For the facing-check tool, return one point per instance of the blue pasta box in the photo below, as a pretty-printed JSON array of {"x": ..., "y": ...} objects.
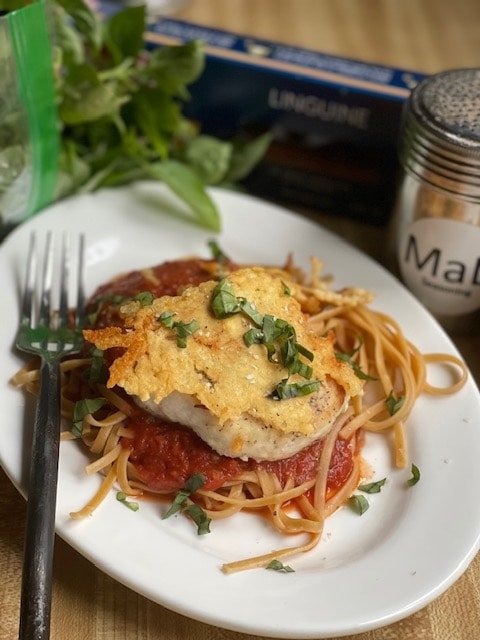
[{"x": 334, "y": 121}]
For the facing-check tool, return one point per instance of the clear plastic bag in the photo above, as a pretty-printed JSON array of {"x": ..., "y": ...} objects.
[{"x": 29, "y": 132}]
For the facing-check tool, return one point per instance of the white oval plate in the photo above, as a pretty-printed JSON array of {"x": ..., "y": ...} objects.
[{"x": 368, "y": 571}]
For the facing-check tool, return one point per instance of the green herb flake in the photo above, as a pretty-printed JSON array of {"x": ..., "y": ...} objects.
[
  {"x": 286, "y": 289},
  {"x": 359, "y": 504},
  {"x": 250, "y": 311},
  {"x": 347, "y": 357},
  {"x": 393, "y": 403},
  {"x": 217, "y": 253},
  {"x": 285, "y": 390},
  {"x": 166, "y": 318},
  {"x": 253, "y": 336},
  {"x": 145, "y": 298},
  {"x": 114, "y": 299},
  {"x": 224, "y": 302},
  {"x": 122, "y": 497},
  {"x": 415, "y": 476},
  {"x": 276, "y": 565},
  {"x": 97, "y": 371},
  {"x": 199, "y": 517},
  {"x": 277, "y": 335},
  {"x": 184, "y": 330},
  {"x": 81, "y": 410},
  {"x": 194, "y": 511},
  {"x": 372, "y": 487}
]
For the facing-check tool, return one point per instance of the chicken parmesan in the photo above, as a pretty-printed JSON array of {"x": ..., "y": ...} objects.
[{"x": 226, "y": 387}]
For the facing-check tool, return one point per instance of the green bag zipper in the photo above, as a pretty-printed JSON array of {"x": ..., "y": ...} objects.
[{"x": 30, "y": 39}]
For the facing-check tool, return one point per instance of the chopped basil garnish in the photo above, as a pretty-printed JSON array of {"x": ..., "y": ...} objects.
[
  {"x": 122, "y": 497},
  {"x": 144, "y": 297},
  {"x": 200, "y": 518},
  {"x": 82, "y": 409},
  {"x": 115, "y": 298},
  {"x": 182, "y": 329},
  {"x": 276, "y": 565},
  {"x": 224, "y": 301},
  {"x": 253, "y": 336},
  {"x": 394, "y": 404},
  {"x": 372, "y": 487},
  {"x": 277, "y": 335},
  {"x": 415, "y": 476},
  {"x": 359, "y": 504},
  {"x": 185, "y": 329},
  {"x": 97, "y": 371},
  {"x": 166, "y": 318},
  {"x": 286, "y": 289},
  {"x": 195, "y": 511},
  {"x": 285, "y": 390},
  {"x": 217, "y": 253},
  {"x": 348, "y": 358},
  {"x": 250, "y": 311}
]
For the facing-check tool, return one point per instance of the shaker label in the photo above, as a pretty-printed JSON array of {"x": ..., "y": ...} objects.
[{"x": 440, "y": 263}]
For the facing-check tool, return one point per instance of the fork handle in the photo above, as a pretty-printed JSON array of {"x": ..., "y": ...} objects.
[{"x": 36, "y": 594}]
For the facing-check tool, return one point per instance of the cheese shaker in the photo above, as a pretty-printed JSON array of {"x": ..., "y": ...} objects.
[{"x": 437, "y": 213}]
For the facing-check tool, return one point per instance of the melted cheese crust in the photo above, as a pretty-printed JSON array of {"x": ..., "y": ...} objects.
[{"x": 216, "y": 367}]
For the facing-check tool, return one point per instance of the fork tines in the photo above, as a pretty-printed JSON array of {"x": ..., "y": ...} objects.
[{"x": 61, "y": 286}]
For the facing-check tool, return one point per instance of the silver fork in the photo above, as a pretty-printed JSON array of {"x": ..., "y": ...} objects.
[{"x": 50, "y": 334}]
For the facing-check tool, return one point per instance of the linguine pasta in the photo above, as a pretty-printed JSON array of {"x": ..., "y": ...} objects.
[{"x": 394, "y": 372}]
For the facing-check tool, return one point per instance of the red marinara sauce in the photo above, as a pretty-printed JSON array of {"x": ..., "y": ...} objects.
[{"x": 165, "y": 455}]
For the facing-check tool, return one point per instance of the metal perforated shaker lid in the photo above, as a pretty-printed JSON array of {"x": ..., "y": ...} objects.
[{"x": 441, "y": 132}]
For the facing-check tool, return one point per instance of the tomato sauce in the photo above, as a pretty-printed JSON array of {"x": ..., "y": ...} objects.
[
  {"x": 167, "y": 279},
  {"x": 165, "y": 455}
]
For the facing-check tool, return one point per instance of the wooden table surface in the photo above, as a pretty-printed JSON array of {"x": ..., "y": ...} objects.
[{"x": 423, "y": 35}]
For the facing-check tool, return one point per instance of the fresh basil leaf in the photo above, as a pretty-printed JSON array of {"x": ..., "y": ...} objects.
[
  {"x": 394, "y": 404},
  {"x": 188, "y": 186},
  {"x": 245, "y": 156},
  {"x": 209, "y": 157},
  {"x": 84, "y": 20},
  {"x": 173, "y": 68},
  {"x": 122, "y": 497},
  {"x": 415, "y": 476},
  {"x": 359, "y": 504},
  {"x": 372, "y": 487},
  {"x": 124, "y": 32},
  {"x": 276, "y": 565},
  {"x": 157, "y": 116},
  {"x": 83, "y": 408},
  {"x": 86, "y": 99}
]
